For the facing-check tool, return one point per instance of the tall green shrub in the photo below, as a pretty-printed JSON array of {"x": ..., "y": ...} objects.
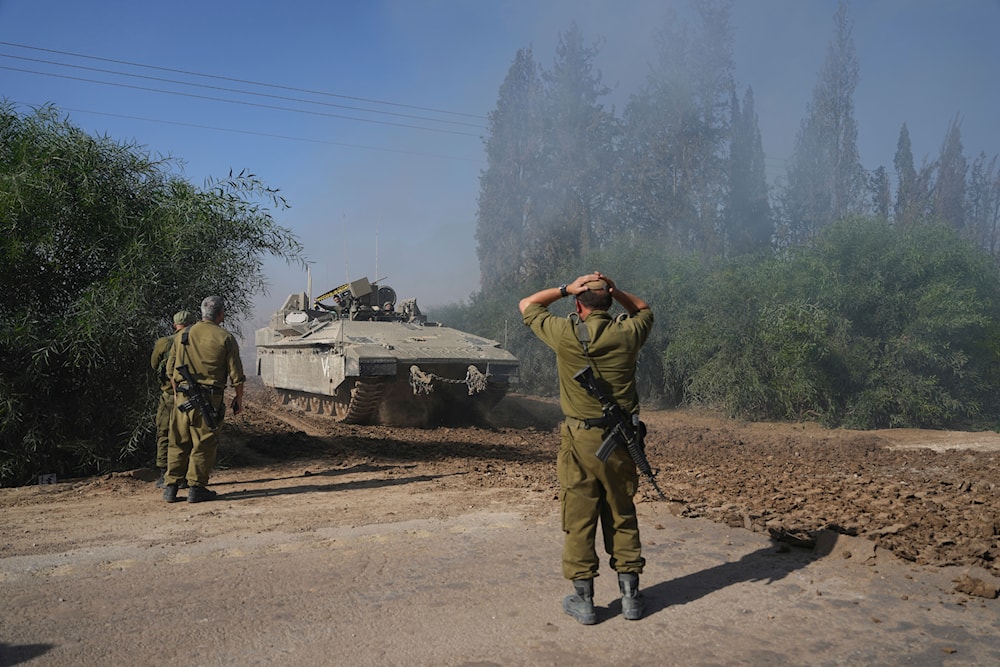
[
  {"x": 99, "y": 245},
  {"x": 924, "y": 312},
  {"x": 871, "y": 326}
]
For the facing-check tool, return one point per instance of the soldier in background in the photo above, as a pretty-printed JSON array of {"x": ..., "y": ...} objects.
[
  {"x": 161, "y": 352},
  {"x": 212, "y": 356}
]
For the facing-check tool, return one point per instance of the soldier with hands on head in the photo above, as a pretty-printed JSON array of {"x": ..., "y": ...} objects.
[
  {"x": 592, "y": 491},
  {"x": 211, "y": 356},
  {"x": 164, "y": 409}
]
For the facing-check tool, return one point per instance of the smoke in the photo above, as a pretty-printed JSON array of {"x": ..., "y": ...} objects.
[{"x": 370, "y": 193}]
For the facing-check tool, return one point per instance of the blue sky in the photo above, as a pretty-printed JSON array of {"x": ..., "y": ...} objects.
[{"x": 393, "y": 194}]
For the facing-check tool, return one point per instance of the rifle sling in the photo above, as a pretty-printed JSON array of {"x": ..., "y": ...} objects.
[{"x": 211, "y": 389}]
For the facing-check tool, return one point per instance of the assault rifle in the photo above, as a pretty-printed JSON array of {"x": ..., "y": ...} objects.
[
  {"x": 622, "y": 428},
  {"x": 197, "y": 400}
]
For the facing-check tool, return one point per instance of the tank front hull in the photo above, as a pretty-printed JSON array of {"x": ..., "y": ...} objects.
[{"x": 388, "y": 372}]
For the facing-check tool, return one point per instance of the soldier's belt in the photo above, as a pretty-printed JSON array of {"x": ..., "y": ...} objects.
[
  {"x": 209, "y": 389},
  {"x": 591, "y": 422}
]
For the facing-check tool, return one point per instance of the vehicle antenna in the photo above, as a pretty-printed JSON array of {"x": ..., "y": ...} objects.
[{"x": 347, "y": 254}]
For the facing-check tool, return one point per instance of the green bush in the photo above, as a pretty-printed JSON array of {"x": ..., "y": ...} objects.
[
  {"x": 99, "y": 245},
  {"x": 869, "y": 327}
]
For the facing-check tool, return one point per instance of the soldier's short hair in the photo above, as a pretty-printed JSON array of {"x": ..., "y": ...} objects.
[
  {"x": 597, "y": 296},
  {"x": 211, "y": 307}
]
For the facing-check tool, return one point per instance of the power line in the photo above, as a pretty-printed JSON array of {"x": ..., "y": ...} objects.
[
  {"x": 243, "y": 102},
  {"x": 230, "y": 90},
  {"x": 266, "y": 134},
  {"x": 235, "y": 80}
]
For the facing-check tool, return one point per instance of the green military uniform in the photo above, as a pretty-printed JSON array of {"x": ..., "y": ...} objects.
[
  {"x": 161, "y": 353},
  {"x": 589, "y": 489},
  {"x": 212, "y": 356}
]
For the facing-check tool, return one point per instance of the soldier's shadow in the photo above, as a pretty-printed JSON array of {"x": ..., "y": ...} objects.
[
  {"x": 765, "y": 564},
  {"x": 246, "y": 494}
]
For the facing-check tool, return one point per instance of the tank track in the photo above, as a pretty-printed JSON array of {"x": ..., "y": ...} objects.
[
  {"x": 360, "y": 408},
  {"x": 360, "y": 401},
  {"x": 365, "y": 398}
]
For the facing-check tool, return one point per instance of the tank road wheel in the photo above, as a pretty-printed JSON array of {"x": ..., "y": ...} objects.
[
  {"x": 293, "y": 400},
  {"x": 342, "y": 404},
  {"x": 304, "y": 402}
]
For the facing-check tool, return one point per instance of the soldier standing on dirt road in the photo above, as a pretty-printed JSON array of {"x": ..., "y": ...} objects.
[
  {"x": 212, "y": 356},
  {"x": 158, "y": 360},
  {"x": 589, "y": 489}
]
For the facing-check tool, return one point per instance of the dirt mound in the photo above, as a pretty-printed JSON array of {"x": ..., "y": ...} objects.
[
  {"x": 904, "y": 490},
  {"x": 335, "y": 544},
  {"x": 926, "y": 496},
  {"x": 924, "y": 505}
]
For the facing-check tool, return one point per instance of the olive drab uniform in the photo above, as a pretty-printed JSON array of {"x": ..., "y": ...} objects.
[
  {"x": 158, "y": 360},
  {"x": 589, "y": 489},
  {"x": 212, "y": 356}
]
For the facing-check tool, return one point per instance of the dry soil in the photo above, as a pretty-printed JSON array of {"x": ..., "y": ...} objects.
[{"x": 333, "y": 544}]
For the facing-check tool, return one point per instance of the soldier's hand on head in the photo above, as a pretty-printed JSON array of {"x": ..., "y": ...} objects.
[
  {"x": 601, "y": 276},
  {"x": 579, "y": 285}
]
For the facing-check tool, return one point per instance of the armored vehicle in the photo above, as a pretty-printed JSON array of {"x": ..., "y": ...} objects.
[{"x": 357, "y": 355}]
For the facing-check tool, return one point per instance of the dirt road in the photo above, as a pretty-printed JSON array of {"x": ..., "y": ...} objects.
[{"x": 338, "y": 545}]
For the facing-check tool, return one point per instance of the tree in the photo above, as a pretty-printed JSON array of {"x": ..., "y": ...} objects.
[
  {"x": 949, "y": 188},
  {"x": 904, "y": 210},
  {"x": 913, "y": 196},
  {"x": 983, "y": 203},
  {"x": 825, "y": 177},
  {"x": 99, "y": 245},
  {"x": 749, "y": 226},
  {"x": 578, "y": 152},
  {"x": 677, "y": 130},
  {"x": 878, "y": 185},
  {"x": 508, "y": 186},
  {"x": 923, "y": 307}
]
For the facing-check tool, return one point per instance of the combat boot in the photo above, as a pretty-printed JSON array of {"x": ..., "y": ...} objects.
[
  {"x": 161, "y": 483},
  {"x": 632, "y": 603},
  {"x": 580, "y": 605},
  {"x": 199, "y": 494},
  {"x": 170, "y": 493}
]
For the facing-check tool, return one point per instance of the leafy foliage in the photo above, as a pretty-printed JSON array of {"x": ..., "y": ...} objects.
[
  {"x": 748, "y": 220},
  {"x": 545, "y": 194},
  {"x": 507, "y": 194},
  {"x": 825, "y": 176},
  {"x": 99, "y": 245},
  {"x": 871, "y": 327},
  {"x": 780, "y": 309},
  {"x": 673, "y": 181}
]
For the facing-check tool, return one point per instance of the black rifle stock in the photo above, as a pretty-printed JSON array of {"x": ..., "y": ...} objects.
[
  {"x": 622, "y": 428},
  {"x": 197, "y": 400}
]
